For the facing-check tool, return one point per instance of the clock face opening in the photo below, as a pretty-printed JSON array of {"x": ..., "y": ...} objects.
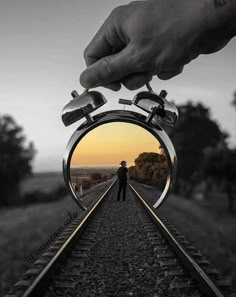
[{"x": 97, "y": 157}]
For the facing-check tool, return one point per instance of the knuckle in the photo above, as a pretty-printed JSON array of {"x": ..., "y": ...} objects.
[
  {"x": 139, "y": 59},
  {"x": 106, "y": 65},
  {"x": 142, "y": 62},
  {"x": 117, "y": 11},
  {"x": 135, "y": 61}
]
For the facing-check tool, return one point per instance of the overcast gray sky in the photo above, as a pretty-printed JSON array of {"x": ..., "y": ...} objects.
[{"x": 41, "y": 58}]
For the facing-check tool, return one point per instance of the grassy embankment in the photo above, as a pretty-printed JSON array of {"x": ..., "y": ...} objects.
[
  {"x": 207, "y": 224},
  {"x": 24, "y": 229}
]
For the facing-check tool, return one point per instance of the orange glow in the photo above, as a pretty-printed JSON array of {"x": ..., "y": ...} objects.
[{"x": 110, "y": 143}]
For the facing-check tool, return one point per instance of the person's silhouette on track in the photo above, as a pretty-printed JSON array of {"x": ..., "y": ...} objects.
[{"x": 122, "y": 177}]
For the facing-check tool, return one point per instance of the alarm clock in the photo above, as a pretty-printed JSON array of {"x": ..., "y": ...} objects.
[{"x": 102, "y": 140}]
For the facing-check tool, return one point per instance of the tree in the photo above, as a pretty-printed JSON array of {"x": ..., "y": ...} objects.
[
  {"x": 150, "y": 168},
  {"x": 194, "y": 132},
  {"x": 220, "y": 164},
  {"x": 15, "y": 159},
  {"x": 234, "y": 99}
]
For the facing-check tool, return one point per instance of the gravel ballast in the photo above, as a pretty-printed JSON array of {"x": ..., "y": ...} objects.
[{"x": 122, "y": 254}]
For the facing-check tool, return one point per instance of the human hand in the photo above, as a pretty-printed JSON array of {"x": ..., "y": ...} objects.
[{"x": 147, "y": 38}]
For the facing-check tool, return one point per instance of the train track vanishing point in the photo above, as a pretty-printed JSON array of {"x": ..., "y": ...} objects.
[{"x": 121, "y": 249}]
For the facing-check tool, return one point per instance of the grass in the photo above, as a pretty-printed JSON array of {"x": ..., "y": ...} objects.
[
  {"x": 207, "y": 225},
  {"x": 213, "y": 235},
  {"x": 45, "y": 182},
  {"x": 23, "y": 230}
]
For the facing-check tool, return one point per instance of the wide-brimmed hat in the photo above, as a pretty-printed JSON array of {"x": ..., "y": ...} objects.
[{"x": 123, "y": 162}]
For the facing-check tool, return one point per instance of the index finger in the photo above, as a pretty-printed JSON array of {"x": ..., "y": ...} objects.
[
  {"x": 97, "y": 48},
  {"x": 100, "y": 47},
  {"x": 105, "y": 42}
]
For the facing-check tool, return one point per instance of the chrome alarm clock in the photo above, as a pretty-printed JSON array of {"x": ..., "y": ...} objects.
[{"x": 103, "y": 140}]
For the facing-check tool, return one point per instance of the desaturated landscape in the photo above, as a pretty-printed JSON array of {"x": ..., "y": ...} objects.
[
  {"x": 45, "y": 182},
  {"x": 23, "y": 230},
  {"x": 206, "y": 223},
  {"x": 71, "y": 86},
  {"x": 88, "y": 177},
  {"x": 202, "y": 207}
]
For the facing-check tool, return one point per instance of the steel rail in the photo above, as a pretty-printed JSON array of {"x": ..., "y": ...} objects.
[
  {"x": 35, "y": 289},
  {"x": 206, "y": 285}
]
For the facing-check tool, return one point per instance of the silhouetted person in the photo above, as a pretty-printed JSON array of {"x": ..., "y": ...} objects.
[{"x": 122, "y": 177}]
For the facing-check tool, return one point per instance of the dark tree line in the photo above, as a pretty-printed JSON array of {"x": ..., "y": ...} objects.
[
  {"x": 194, "y": 132},
  {"x": 15, "y": 159},
  {"x": 234, "y": 100},
  {"x": 203, "y": 152},
  {"x": 201, "y": 146}
]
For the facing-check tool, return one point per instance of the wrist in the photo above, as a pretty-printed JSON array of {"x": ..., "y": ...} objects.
[{"x": 221, "y": 17}]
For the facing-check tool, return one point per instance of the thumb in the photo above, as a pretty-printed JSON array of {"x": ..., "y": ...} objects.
[{"x": 108, "y": 69}]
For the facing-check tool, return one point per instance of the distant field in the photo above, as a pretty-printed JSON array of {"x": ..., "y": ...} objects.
[
  {"x": 45, "y": 182},
  {"x": 84, "y": 178},
  {"x": 102, "y": 170},
  {"x": 87, "y": 172},
  {"x": 24, "y": 229}
]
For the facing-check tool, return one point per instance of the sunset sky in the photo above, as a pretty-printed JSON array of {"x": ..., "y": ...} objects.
[
  {"x": 41, "y": 58},
  {"x": 111, "y": 143}
]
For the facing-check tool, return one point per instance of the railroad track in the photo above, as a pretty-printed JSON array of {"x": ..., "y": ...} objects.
[{"x": 121, "y": 249}]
